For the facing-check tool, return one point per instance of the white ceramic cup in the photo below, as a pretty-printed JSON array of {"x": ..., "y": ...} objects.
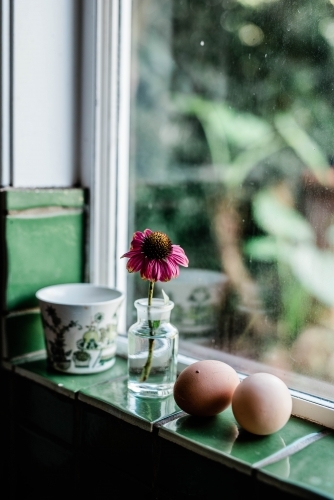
[{"x": 80, "y": 326}]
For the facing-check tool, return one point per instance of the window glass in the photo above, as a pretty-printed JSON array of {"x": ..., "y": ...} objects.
[{"x": 232, "y": 156}]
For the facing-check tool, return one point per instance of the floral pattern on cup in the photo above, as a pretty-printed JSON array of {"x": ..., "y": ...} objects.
[
  {"x": 98, "y": 337},
  {"x": 58, "y": 353},
  {"x": 96, "y": 346}
]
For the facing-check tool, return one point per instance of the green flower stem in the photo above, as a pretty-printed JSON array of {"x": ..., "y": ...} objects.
[{"x": 147, "y": 367}]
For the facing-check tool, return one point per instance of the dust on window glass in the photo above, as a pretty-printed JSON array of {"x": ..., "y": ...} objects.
[{"x": 232, "y": 156}]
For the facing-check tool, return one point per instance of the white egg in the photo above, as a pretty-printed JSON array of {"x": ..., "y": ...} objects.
[{"x": 262, "y": 403}]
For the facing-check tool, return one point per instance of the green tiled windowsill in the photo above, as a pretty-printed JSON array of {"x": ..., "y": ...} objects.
[
  {"x": 109, "y": 417},
  {"x": 113, "y": 397},
  {"x": 68, "y": 384},
  {"x": 221, "y": 439}
]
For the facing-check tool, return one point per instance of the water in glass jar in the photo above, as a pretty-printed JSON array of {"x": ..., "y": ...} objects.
[{"x": 160, "y": 371}]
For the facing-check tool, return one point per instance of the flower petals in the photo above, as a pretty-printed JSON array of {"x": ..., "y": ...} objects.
[
  {"x": 179, "y": 256},
  {"x": 135, "y": 263},
  {"x": 173, "y": 266},
  {"x": 147, "y": 232},
  {"x": 154, "y": 269}
]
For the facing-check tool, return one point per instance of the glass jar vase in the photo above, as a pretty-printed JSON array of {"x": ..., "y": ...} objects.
[{"x": 152, "y": 350}]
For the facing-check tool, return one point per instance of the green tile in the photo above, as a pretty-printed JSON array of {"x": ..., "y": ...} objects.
[
  {"x": 6, "y": 365},
  {"x": 67, "y": 383},
  {"x": 266, "y": 491},
  {"x": 109, "y": 446},
  {"x": 6, "y": 377},
  {"x": 43, "y": 409},
  {"x": 41, "y": 467},
  {"x": 197, "y": 477},
  {"x": 24, "y": 334},
  {"x": 42, "y": 251},
  {"x": 221, "y": 438},
  {"x": 5, "y": 453},
  {"x": 116, "y": 399},
  {"x": 22, "y": 199},
  {"x": 108, "y": 481},
  {"x": 311, "y": 468},
  {"x": 251, "y": 448}
]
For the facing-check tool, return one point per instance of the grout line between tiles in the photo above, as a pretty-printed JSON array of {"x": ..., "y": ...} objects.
[
  {"x": 170, "y": 418},
  {"x": 292, "y": 448}
]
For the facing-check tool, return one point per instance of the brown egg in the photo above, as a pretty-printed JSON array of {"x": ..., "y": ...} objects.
[
  {"x": 262, "y": 404},
  {"x": 205, "y": 388}
]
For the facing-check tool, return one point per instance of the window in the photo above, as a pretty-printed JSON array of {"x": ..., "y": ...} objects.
[{"x": 231, "y": 155}]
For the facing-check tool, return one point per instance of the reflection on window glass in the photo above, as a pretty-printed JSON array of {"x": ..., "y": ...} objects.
[{"x": 232, "y": 156}]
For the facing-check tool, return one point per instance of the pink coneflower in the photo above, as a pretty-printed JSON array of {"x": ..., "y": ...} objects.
[{"x": 153, "y": 254}]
